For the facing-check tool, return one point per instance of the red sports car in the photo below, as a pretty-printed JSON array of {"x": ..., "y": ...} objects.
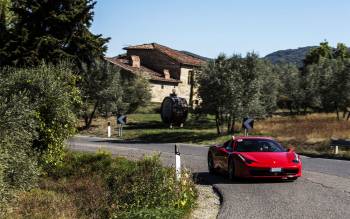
[{"x": 254, "y": 157}]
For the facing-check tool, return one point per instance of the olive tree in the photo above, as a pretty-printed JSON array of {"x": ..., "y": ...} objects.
[
  {"x": 52, "y": 95},
  {"x": 18, "y": 162},
  {"x": 327, "y": 85},
  {"x": 236, "y": 87},
  {"x": 291, "y": 94}
]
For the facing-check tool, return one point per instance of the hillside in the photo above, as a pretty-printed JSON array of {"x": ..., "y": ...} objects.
[{"x": 295, "y": 56}]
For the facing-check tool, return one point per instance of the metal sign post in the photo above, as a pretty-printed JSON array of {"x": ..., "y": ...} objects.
[
  {"x": 120, "y": 130},
  {"x": 247, "y": 124},
  {"x": 177, "y": 163}
]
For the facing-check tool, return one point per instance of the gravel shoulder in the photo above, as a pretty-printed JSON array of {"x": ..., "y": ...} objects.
[{"x": 208, "y": 203}]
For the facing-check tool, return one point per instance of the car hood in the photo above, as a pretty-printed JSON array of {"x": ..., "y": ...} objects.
[{"x": 269, "y": 158}]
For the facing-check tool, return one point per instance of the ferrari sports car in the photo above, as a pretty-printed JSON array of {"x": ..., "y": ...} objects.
[{"x": 254, "y": 157}]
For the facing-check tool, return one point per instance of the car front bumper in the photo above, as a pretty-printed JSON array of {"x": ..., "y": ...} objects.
[{"x": 286, "y": 172}]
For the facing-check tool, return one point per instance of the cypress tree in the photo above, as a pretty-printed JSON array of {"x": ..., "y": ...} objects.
[{"x": 52, "y": 30}]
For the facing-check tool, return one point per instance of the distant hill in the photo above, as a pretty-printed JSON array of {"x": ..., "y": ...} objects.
[{"x": 294, "y": 56}]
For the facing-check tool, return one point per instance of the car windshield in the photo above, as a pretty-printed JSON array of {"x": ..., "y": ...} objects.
[{"x": 259, "y": 145}]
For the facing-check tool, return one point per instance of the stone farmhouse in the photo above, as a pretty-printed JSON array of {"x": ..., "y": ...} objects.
[{"x": 165, "y": 68}]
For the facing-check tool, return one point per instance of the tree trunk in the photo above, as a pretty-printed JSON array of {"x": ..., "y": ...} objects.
[
  {"x": 222, "y": 123},
  {"x": 229, "y": 120},
  {"x": 217, "y": 123},
  {"x": 344, "y": 113},
  {"x": 88, "y": 119},
  {"x": 305, "y": 110},
  {"x": 191, "y": 77},
  {"x": 290, "y": 110},
  {"x": 233, "y": 126},
  {"x": 337, "y": 113}
]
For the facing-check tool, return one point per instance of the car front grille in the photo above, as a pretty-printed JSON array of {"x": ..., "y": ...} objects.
[{"x": 267, "y": 172}]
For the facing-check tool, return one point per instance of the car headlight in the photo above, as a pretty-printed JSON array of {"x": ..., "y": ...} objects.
[
  {"x": 245, "y": 160},
  {"x": 296, "y": 158}
]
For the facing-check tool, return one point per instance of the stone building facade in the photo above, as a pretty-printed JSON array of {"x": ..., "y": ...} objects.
[{"x": 165, "y": 68}]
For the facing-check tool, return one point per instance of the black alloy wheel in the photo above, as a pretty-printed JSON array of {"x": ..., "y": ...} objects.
[
  {"x": 231, "y": 170},
  {"x": 210, "y": 163}
]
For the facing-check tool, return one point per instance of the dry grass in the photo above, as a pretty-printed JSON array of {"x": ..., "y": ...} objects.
[
  {"x": 309, "y": 129},
  {"x": 41, "y": 204},
  {"x": 98, "y": 127}
]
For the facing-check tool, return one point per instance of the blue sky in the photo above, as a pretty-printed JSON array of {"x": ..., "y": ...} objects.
[{"x": 209, "y": 27}]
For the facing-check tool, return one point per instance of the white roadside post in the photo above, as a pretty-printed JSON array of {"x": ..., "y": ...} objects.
[
  {"x": 177, "y": 163},
  {"x": 109, "y": 130},
  {"x": 336, "y": 149}
]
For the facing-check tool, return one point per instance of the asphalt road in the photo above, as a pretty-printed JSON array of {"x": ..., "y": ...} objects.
[{"x": 322, "y": 192}]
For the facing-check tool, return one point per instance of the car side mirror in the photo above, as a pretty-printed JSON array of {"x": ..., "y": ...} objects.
[
  {"x": 229, "y": 149},
  {"x": 223, "y": 149}
]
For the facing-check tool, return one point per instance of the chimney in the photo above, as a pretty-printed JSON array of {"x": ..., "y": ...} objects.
[
  {"x": 166, "y": 74},
  {"x": 135, "y": 61}
]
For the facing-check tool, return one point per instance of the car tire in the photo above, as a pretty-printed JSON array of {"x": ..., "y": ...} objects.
[
  {"x": 231, "y": 170},
  {"x": 211, "y": 163}
]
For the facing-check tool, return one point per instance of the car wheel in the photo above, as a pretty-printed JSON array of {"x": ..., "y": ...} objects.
[
  {"x": 211, "y": 163},
  {"x": 231, "y": 170}
]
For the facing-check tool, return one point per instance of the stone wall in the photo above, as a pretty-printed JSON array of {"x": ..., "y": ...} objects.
[{"x": 160, "y": 90}]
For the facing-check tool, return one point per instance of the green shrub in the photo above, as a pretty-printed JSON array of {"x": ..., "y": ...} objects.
[
  {"x": 36, "y": 117},
  {"x": 3, "y": 192},
  {"x": 18, "y": 171},
  {"x": 145, "y": 187},
  {"x": 18, "y": 166},
  {"x": 156, "y": 213},
  {"x": 51, "y": 97},
  {"x": 106, "y": 187},
  {"x": 81, "y": 164}
]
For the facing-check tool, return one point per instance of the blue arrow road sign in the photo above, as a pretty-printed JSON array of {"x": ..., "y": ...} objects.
[
  {"x": 248, "y": 123},
  {"x": 121, "y": 119}
]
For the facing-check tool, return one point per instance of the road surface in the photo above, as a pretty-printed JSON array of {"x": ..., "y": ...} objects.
[{"x": 322, "y": 192}]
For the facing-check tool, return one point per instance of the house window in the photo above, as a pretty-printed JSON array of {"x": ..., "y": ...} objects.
[
  {"x": 162, "y": 86},
  {"x": 190, "y": 78}
]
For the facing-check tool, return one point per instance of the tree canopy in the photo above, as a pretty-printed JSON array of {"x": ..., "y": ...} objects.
[
  {"x": 236, "y": 87},
  {"x": 51, "y": 31}
]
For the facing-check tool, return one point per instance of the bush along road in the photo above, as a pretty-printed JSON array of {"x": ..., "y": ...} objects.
[
  {"x": 322, "y": 192},
  {"x": 96, "y": 185}
]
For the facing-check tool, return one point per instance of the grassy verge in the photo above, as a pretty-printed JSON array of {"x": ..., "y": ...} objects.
[
  {"x": 99, "y": 186},
  {"x": 308, "y": 134}
]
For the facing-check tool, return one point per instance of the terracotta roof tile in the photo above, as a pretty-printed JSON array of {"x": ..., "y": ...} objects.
[
  {"x": 172, "y": 53},
  {"x": 125, "y": 64}
]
